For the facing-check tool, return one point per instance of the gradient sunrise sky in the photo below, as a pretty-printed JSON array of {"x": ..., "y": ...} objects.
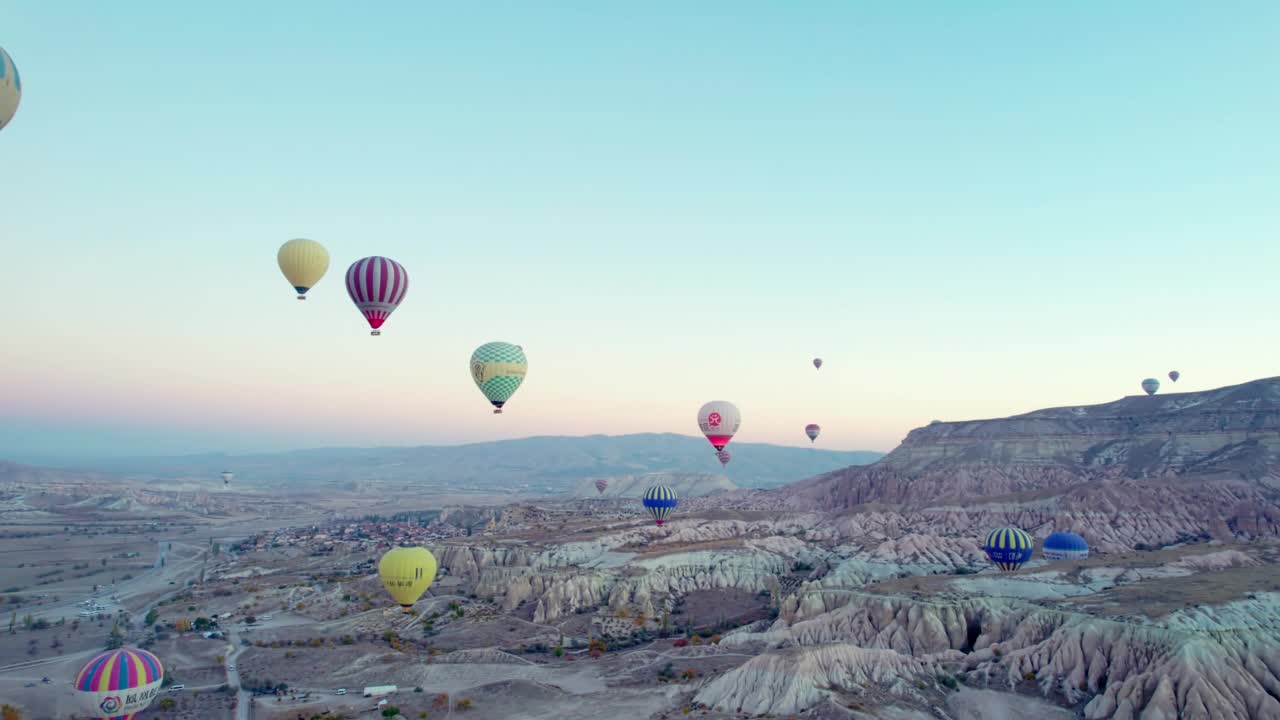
[{"x": 967, "y": 209}]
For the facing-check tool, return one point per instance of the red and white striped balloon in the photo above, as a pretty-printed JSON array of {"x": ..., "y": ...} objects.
[{"x": 376, "y": 285}]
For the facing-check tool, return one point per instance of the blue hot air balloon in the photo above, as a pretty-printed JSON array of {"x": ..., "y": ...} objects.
[
  {"x": 660, "y": 500},
  {"x": 1150, "y": 386},
  {"x": 1009, "y": 548},
  {"x": 1064, "y": 546}
]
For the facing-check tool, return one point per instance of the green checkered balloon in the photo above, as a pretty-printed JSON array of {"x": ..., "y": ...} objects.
[{"x": 498, "y": 369}]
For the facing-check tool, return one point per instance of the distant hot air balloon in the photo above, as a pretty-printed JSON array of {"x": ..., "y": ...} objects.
[
  {"x": 817, "y": 363},
  {"x": 406, "y": 573},
  {"x": 1174, "y": 375},
  {"x": 10, "y": 88},
  {"x": 1151, "y": 385},
  {"x": 1009, "y": 548},
  {"x": 498, "y": 369},
  {"x": 602, "y": 485},
  {"x": 719, "y": 421},
  {"x": 227, "y": 475},
  {"x": 118, "y": 684},
  {"x": 1064, "y": 546},
  {"x": 303, "y": 263},
  {"x": 723, "y": 456},
  {"x": 812, "y": 431},
  {"x": 660, "y": 500},
  {"x": 377, "y": 286}
]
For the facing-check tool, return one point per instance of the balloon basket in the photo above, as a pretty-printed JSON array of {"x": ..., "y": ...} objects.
[
  {"x": 375, "y": 332},
  {"x": 498, "y": 411},
  {"x": 302, "y": 297}
]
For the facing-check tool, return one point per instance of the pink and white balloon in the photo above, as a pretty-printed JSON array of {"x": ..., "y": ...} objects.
[
  {"x": 377, "y": 286},
  {"x": 812, "y": 431},
  {"x": 724, "y": 457},
  {"x": 719, "y": 420},
  {"x": 602, "y": 485}
]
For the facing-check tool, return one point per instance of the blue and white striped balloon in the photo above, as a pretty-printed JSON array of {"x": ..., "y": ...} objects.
[{"x": 660, "y": 500}]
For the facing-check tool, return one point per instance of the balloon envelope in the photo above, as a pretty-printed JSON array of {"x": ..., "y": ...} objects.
[
  {"x": 812, "y": 431},
  {"x": 719, "y": 420},
  {"x": 119, "y": 683},
  {"x": 1150, "y": 386},
  {"x": 498, "y": 369},
  {"x": 602, "y": 485},
  {"x": 377, "y": 286},
  {"x": 303, "y": 263},
  {"x": 817, "y": 362},
  {"x": 1009, "y": 548},
  {"x": 406, "y": 573},
  {"x": 1174, "y": 375},
  {"x": 227, "y": 475},
  {"x": 1064, "y": 546},
  {"x": 10, "y": 88},
  {"x": 660, "y": 500},
  {"x": 724, "y": 457}
]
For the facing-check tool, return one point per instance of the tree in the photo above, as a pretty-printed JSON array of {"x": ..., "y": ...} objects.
[
  {"x": 441, "y": 702},
  {"x": 464, "y": 704},
  {"x": 390, "y": 711},
  {"x": 166, "y": 704},
  {"x": 182, "y": 625},
  {"x": 9, "y": 712},
  {"x": 104, "y": 562},
  {"x": 152, "y": 616},
  {"x": 116, "y": 639}
]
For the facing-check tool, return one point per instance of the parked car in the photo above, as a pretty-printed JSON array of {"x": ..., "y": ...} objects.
[{"x": 340, "y": 691}]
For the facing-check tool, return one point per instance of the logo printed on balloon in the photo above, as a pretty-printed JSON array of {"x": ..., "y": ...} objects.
[
  {"x": 477, "y": 371},
  {"x": 110, "y": 704},
  {"x": 714, "y": 419}
]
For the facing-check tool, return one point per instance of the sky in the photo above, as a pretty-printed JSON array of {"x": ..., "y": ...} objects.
[{"x": 967, "y": 210}]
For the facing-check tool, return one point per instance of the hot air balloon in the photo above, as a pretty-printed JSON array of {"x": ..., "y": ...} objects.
[
  {"x": 406, "y": 573},
  {"x": 377, "y": 286},
  {"x": 303, "y": 263},
  {"x": 723, "y": 456},
  {"x": 118, "y": 684},
  {"x": 812, "y": 431},
  {"x": 1009, "y": 548},
  {"x": 498, "y": 369},
  {"x": 660, "y": 500},
  {"x": 1151, "y": 385},
  {"x": 10, "y": 88},
  {"x": 719, "y": 421},
  {"x": 226, "y": 476},
  {"x": 602, "y": 485},
  {"x": 1064, "y": 546},
  {"x": 817, "y": 363},
  {"x": 1174, "y": 375}
]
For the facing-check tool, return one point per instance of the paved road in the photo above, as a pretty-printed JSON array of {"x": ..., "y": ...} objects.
[{"x": 244, "y": 699}]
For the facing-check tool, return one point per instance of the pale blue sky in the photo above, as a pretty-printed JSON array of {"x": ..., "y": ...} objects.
[{"x": 968, "y": 209}]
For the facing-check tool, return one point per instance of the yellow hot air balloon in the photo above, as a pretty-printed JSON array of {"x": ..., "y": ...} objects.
[
  {"x": 303, "y": 263},
  {"x": 406, "y": 573}
]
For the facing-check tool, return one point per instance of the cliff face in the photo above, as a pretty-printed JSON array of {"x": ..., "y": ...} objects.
[
  {"x": 1137, "y": 434},
  {"x": 1116, "y": 454}
]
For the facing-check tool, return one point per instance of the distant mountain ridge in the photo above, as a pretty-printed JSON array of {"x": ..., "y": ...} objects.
[
  {"x": 547, "y": 463},
  {"x": 1213, "y": 455}
]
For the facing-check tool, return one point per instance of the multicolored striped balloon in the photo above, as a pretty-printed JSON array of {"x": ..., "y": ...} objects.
[
  {"x": 601, "y": 485},
  {"x": 498, "y": 369},
  {"x": 812, "y": 431},
  {"x": 10, "y": 88},
  {"x": 660, "y": 500},
  {"x": 724, "y": 457},
  {"x": 376, "y": 285},
  {"x": 817, "y": 363},
  {"x": 118, "y": 684},
  {"x": 1009, "y": 548}
]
